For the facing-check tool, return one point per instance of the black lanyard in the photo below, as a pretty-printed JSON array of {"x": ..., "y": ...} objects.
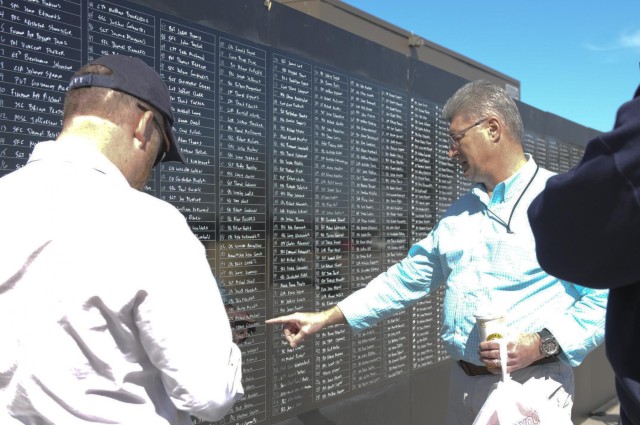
[{"x": 507, "y": 225}]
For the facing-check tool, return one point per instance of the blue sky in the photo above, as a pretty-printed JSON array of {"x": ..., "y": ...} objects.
[{"x": 575, "y": 58}]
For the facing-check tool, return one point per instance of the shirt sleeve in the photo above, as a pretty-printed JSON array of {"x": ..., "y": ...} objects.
[
  {"x": 186, "y": 333},
  {"x": 587, "y": 222},
  {"x": 400, "y": 286},
  {"x": 580, "y": 328}
]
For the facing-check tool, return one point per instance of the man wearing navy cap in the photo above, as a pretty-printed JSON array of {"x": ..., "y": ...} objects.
[{"x": 109, "y": 312}]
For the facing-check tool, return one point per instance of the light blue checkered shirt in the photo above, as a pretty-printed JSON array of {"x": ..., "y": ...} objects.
[{"x": 482, "y": 265}]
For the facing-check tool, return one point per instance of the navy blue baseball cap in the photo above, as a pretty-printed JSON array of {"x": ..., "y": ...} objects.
[{"x": 132, "y": 76}]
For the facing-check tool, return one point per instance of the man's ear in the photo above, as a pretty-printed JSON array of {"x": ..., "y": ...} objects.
[
  {"x": 144, "y": 128},
  {"x": 494, "y": 129}
]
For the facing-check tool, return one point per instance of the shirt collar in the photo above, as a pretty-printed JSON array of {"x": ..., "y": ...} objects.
[
  {"x": 76, "y": 153},
  {"x": 511, "y": 187}
]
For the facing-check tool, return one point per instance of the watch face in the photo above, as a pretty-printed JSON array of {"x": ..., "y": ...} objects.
[{"x": 550, "y": 347}]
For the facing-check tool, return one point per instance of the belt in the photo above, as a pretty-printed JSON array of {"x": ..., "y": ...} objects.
[{"x": 473, "y": 370}]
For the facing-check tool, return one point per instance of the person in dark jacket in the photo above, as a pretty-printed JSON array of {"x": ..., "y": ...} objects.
[{"x": 586, "y": 225}]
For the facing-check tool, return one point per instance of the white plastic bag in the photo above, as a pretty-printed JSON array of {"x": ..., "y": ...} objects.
[{"x": 510, "y": 403}]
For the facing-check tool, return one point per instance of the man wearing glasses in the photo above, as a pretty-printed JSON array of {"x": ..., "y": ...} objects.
[
  {"x": 109, "y": 312},
  {"x": 482, "y": 251}
]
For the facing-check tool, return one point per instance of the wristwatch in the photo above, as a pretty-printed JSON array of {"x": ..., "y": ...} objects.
[{"x": 548, "y": 344}]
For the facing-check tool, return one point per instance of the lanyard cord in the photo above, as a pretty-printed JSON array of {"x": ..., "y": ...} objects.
[{"x": 508, "y": 224}]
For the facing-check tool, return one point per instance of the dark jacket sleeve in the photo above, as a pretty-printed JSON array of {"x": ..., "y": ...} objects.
[{"x": 587, "y": 222}]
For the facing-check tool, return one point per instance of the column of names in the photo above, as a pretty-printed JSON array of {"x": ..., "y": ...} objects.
[
  {"x": 395, "y": 221},
  {"x": 40, "y": 49},
  {"x": 575, "y": 155},
  {"x": 422, "y": 127},
  {"x": 564, "y": 154},
  {"x": 366, "y": 226},
  {"x": 445, "y": 168},
  {"x": 448, "y": 190},
  {"x": 292, "y": 227},
  {"x": 243, "y": 207},
  {"x": 188, "y": 66},
  {"x": 331, "y": 211},
  {"x": 553, "y": 155}
]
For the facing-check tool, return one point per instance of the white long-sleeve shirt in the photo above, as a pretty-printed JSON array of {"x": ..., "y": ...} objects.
[{"x": 109, "y": 312}]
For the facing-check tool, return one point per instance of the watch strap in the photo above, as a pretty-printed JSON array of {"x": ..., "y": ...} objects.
[{"x": 544, "y": 334}]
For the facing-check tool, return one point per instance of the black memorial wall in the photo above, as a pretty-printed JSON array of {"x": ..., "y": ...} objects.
[{"x": 315, "y": 159}]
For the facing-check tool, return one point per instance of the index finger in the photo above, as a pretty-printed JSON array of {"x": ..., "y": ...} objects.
[{"x": 278, "y": 320}]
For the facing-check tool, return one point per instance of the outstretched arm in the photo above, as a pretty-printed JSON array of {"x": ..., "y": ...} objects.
[{"x": 298, "y": 325}]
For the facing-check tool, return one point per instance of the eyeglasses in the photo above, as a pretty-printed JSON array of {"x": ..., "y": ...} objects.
[
  {"x": 161, "y": 152},
  {"x": 454, "y": 139}
]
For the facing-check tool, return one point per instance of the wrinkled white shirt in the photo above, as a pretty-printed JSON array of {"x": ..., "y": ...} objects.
[{"x": 109, "y": 312}]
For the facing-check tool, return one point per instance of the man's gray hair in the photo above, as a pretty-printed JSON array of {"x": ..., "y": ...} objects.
[{"x": 477, "y": 99}]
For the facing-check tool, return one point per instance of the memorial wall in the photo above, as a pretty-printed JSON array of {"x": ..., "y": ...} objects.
[{"x": 314, "y": 160}]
